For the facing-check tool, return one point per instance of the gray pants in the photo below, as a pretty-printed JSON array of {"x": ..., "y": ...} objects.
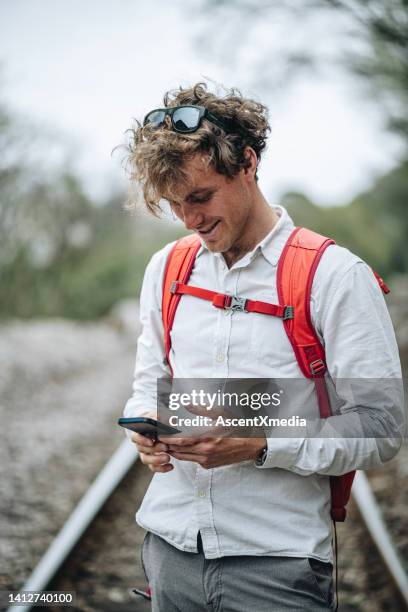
[{"x": 188, "y": 582}]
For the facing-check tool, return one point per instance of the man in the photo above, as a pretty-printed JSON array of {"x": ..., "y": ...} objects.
[{"x": 237, "y": 523}]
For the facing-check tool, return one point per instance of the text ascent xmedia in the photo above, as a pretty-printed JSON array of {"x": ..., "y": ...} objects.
[{"x": 221, "y": 421}]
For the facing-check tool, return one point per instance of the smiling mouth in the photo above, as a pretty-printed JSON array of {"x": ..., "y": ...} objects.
[{"x": 209, "y": 230}]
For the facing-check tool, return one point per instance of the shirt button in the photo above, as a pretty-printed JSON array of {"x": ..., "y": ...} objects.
[
  {"x": 201, "y": 494},
  {"x": 220, "y": 357}
]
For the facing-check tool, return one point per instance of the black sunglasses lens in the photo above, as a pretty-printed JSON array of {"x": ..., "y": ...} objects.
[
  {"x": 186, "y": 119},
  {"x": 155, "y": 117}
]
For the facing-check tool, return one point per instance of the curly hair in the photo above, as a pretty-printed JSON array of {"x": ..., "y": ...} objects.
[{"x": 156, "y": 156}]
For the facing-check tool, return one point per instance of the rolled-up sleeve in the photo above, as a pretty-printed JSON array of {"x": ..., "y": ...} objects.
[{"x": 368, "y": 424}]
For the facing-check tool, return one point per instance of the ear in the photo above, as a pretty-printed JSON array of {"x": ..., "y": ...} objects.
[{"x": 250, "y": 170}]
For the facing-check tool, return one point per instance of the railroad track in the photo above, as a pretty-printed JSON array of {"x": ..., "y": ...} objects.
[{"x": 69, "y": 563}]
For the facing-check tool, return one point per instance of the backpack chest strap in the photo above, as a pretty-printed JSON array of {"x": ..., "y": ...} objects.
[{"x": 233, "y": 302}]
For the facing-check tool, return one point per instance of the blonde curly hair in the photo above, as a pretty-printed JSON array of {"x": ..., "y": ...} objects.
[{"x": 156, "y": 156}]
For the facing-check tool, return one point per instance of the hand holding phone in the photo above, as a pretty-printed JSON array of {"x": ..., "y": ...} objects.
[{"x": 152, "y": 451}]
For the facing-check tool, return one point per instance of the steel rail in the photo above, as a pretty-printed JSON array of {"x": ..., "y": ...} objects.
[
  {"x": 371, "y": 515},
  {"x": 116, "y": 469},
  {"x": 85, "y": 512}
]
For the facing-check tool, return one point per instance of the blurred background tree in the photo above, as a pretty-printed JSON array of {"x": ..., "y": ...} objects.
[
  {"x": 63, "y": 254},
  {"x": 60, "y": 253},
  {"x": 368, "y": 38},
  {"x": 368, "y": 41}
]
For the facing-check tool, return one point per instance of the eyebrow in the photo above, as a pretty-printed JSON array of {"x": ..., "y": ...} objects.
[{"x": 201, "y": 191}]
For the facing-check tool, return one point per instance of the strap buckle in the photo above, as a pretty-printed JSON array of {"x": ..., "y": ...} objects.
[
  {"x": 173, "y": 286},
  {"x": 237, "y": 304},
  {"x": 317, "y": 367},
  {"x": 145, "y": 594},
  {"x": 288, "y": 313}
]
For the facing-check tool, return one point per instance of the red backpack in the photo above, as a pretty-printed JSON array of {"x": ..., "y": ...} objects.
[{"x": 296, "y": 269}]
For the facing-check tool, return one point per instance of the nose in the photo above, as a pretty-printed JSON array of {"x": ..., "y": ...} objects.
[{"x": 191, "y": 218}]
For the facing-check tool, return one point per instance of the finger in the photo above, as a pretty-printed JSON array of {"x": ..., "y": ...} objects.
[
  {"x": 155, "y": 460},
  {"x": 142, "y": 440},
  {"x": 157, "y": 467},
  {"x": 196, "y": 449},
  {"x": 189, "y": 457},
  {"x": 151, "y": 450},
  {"x": 146, "y": 444},
  {"x": 179, "y": 441},
  {"x": 166, "y": 467}
]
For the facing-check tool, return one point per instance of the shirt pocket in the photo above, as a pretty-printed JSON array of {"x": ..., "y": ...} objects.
[{"x": 193, "y": 335}]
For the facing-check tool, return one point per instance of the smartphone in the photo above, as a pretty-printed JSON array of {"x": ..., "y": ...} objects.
[{"x": 148, "y": 427}]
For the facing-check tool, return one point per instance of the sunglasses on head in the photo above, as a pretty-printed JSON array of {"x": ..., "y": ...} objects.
[{"x": 184, "y": 119}]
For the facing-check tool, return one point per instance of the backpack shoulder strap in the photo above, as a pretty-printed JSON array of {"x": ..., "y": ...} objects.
[
  {"x": 296, "y": 269},
  {"x": 179, "y": 265}
]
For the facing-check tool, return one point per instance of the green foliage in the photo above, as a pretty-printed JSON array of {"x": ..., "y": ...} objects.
[
  {"x": 112, "y": 267},
  {"x": 374, "y": 225},
  {"x": 62, "y": 255},
  {"x": 371, "y": 35},
  {"x": 84, "y": 273},
  {"x": 70, "y": 258}
]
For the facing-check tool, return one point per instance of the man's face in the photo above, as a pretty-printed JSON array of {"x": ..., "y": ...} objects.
[{"x": 216, "y": 207}]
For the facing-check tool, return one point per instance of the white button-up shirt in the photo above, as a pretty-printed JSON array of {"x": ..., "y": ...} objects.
[{"x": 283, "y": 507}]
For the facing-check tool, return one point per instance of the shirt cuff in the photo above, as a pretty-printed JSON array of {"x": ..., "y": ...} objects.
[{"x": 281, "y": 453}]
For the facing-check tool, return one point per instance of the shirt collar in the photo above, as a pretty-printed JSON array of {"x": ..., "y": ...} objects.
[{"x": 271, "y": 246}]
